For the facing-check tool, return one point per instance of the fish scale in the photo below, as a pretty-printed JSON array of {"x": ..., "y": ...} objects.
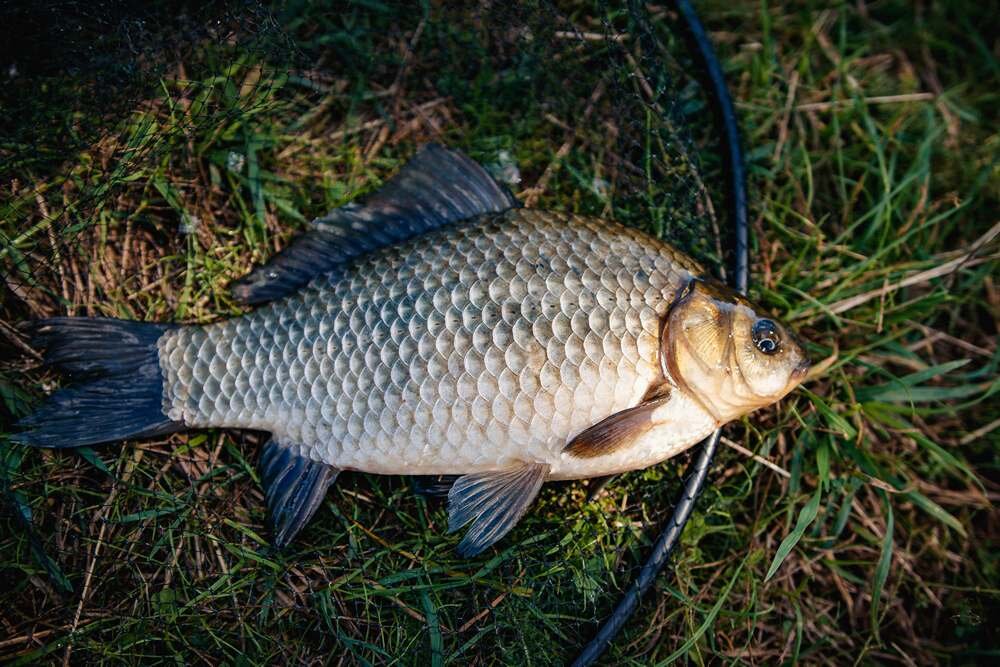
[{"x": 483, "y": 343}]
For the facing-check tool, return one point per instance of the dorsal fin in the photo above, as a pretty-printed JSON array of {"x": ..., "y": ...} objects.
[{"x": 437, "y": 187}]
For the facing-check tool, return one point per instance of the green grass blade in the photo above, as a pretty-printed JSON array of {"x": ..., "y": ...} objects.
[
  {"x": 884, "y": 562},
  {"x": 433, "y": 629},
  {"x": 806, "y": 516}
]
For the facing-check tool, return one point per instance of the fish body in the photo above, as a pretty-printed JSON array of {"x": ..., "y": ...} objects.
[
  {"x": 437, "y": 329},
  {"x": 481, "y": 344}
]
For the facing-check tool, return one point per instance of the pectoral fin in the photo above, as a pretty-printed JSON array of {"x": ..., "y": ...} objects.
[
  {"x": 617, "y": 431},
  {"x": 493, "y": 502},
  {"x": 294, "y": 487}
]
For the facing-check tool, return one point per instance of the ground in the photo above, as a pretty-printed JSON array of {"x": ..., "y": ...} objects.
[{"x": 863, "y": 526}]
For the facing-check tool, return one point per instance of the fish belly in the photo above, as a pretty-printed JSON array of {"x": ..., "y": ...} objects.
[{"x": 482, "y": 344}]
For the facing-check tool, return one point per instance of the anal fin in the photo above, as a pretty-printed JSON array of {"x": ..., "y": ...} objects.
[
  {"x": 493, "y": 502},
  {"x": 294, "y": 487}
]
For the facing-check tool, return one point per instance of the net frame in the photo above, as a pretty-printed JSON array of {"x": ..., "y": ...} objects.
[{"x": 697, "y": 472}]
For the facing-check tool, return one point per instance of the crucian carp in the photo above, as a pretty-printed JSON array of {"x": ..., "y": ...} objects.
[{"x": 437, "y": 329}]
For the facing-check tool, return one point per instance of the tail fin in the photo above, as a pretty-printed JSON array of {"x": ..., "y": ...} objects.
[{"x": 116, "y": 388}]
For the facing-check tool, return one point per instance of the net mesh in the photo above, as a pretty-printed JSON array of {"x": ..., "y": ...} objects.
[
  {"x": 590, "y": 112},
  {"x": 152, "y": 153}
]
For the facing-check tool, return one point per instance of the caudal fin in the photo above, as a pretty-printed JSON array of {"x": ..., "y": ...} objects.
[{"x": 116, "y": 387}]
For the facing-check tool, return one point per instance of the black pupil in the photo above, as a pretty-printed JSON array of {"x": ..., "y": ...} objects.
[{"x": 765, "y": 336}]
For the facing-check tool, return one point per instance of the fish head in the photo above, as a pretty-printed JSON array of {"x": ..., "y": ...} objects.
[{"x": 727, "y": 352}]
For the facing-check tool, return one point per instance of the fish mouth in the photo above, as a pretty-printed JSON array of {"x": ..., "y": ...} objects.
[{"x": 800, "y": 371}]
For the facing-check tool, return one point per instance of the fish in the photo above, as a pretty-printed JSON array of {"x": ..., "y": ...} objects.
[{"x": 436, "y": 329}]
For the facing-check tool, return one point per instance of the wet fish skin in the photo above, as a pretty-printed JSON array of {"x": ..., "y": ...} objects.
[
  {"x": 437, "y": 329},
  {"x": 472, "y": 347}
]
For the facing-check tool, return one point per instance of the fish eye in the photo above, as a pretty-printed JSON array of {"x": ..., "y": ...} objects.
[{"x": 766, "y": 337}]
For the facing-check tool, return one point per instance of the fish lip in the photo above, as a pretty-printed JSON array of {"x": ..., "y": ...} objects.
[{"x": 801, "y": 370}]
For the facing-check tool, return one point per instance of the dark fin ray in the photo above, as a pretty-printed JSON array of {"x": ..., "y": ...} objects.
[
  {"x": 597, "y": 484},
  {"x": 494, "y": 502},
  {"x": 437, "y": 187},
  {"x": 432, "y": 486},
  {"x": 615, "y": 432},
  {"x": 117, "y": 385},
  {"x": 294, "y": 487}
]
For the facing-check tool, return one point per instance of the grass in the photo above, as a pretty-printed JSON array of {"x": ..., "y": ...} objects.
[{"x": 872, "y": 148}]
